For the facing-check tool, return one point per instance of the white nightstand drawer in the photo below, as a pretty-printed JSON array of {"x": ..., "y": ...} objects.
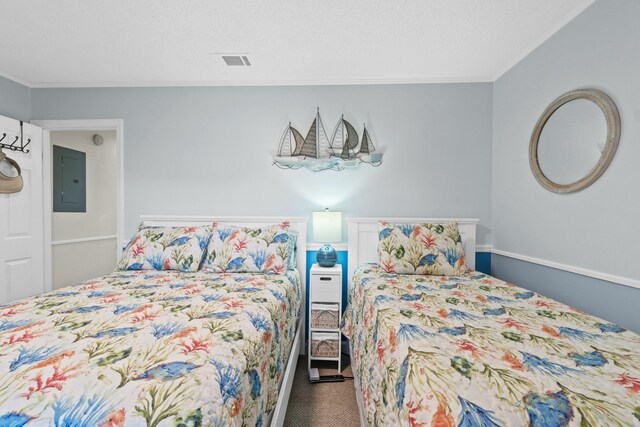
[
  {"x": 325, "y": 280},
  {"x": 325, "y": 296},
  {"x": 326, "y": 290}
]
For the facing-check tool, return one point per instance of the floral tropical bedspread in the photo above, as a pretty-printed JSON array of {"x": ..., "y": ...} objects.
[
  {"x": 476, "y": 351},
  {"x": 154, "y": 348}
]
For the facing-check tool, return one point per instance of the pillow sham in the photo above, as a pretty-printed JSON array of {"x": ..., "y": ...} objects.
[
  {"x": 166, "y": 248},
  {"x": 249, "y": 250},
  {"x": 430, "y": 249}
]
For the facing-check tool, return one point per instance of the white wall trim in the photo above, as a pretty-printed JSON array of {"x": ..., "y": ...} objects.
[
  {"x": 572, "y": 269},
  {"x": 80, "y": 124},
  {"x": 546, "y": 36},
  {"x": 83, "y": 240},
  {"x": 224, "y": 83},
  {"x": 47, "y": 208},
  {"x": 15, "y": 79}
]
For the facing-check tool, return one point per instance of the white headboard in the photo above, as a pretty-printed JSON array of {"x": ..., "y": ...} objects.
[{"x": 363, "y": 238}]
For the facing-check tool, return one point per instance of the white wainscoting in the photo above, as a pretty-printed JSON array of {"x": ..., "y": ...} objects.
[{"x": 77, "y": 260}]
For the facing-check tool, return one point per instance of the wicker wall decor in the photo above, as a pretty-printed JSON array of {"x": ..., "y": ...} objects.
[{"x": 317, "y": 152}]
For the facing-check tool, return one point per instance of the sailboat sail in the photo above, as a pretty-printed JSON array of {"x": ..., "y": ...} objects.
[
  {"x": 351, "y": 142},
  {"x": 285, "y": 143},
  {"x": 337, "y": 138},
  {"x": 316, "y": 144},
  {"x": 298, "y": 138},
  {"x": 291, "y": 139},
  {"x": 308, "y": 148},
  {"x": 324, "y": 146},
  {"x": 367, "y": 146}
]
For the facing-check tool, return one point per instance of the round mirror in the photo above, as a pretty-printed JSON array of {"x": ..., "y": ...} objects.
[{"x": 574, "y": 140}]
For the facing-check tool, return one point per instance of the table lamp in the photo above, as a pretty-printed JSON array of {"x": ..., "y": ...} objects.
[{"x": 327, "y": 228}]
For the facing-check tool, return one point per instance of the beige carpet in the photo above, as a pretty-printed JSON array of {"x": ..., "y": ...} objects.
[{"x": 323, "y": 404}]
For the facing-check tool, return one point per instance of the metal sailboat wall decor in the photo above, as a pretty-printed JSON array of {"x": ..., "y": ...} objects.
[{"x": 317, "y": 152}]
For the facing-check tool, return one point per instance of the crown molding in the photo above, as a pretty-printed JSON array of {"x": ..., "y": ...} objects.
[
  {"x": 236, "y": 83},
  {"x": 15, "y": 79}
]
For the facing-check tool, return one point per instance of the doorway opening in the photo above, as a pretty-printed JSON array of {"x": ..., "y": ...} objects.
[
  {"x": 84, "y": 219},
  {"x": 83, "y": 203}
]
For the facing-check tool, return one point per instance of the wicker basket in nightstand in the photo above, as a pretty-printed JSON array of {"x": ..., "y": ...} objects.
[
  {"x": 325, "y": 344},
  {"x": 325, "y": 316}
]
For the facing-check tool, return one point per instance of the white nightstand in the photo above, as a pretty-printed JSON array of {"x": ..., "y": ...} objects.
[{"x": 325, "y": 311}]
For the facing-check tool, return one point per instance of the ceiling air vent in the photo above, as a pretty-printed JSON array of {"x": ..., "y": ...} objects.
[{"x": 236, "y": 60}]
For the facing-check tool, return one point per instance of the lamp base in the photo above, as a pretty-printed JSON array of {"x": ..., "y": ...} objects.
[{"x": 327, "y": 256}]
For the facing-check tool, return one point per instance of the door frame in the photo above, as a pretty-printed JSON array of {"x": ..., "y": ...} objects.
[{"x": 116, "y": 125}]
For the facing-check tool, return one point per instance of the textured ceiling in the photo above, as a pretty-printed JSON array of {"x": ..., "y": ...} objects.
[{"x": 163, "y": 42}]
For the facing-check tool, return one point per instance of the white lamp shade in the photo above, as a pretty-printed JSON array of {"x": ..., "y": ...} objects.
[{"x": 327, "y": 227}]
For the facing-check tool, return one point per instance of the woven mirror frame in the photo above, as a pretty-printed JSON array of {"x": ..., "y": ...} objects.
[{"x": 613, "y": 138}]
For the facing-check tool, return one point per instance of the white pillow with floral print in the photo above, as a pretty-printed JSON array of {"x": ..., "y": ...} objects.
[
  {"x": 249, "y": 250},
  {"x": 166, "y": 248},
  {"x": 431, "y": 249}
]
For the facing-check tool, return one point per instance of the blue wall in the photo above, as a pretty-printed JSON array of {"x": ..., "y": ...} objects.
[
  {"x": 15, "y": 100},
  {"x": 221, "y": 138},
  {"x": 483, "y": 262}
]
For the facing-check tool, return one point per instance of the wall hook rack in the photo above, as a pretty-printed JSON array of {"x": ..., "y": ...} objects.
[{"x": 13, "y": 147}]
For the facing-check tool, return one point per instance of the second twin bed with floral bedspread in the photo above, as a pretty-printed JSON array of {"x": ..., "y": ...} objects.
[{"x": 467, "y": 349}]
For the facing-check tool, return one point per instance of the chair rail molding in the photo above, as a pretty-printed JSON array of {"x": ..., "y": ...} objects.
[
  {"x": 83, "y": 240},
  {"x": 627, "y": 281}
]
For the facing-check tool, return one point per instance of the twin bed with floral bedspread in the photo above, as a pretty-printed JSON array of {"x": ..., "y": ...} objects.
[
  {"x": 467, "y": 349},
  {"x": 156, "y": 347}
]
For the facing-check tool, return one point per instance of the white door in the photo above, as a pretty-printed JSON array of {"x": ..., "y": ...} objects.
[{"x": 21, "y": 219}]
